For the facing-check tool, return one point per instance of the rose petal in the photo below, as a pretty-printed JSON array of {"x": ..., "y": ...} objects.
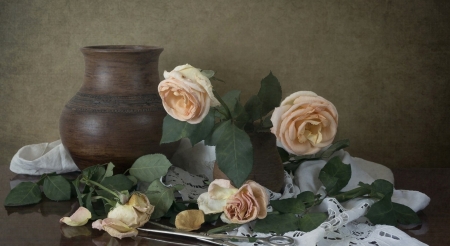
[
  {"x": 79, "y": 218},
  {"x": 189, "y": 220},
  {"x": 115, "y": 228},
  {"x": 209, "y": 205},
  {"x": 221, "y": 189}
]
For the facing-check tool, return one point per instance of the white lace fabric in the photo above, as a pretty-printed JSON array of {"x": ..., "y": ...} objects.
[{"x": 346, "y": 224}]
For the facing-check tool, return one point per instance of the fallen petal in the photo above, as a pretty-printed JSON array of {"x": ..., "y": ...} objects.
[
  {"x": 79, "y": 218},
  {"x": 189, "y": 220}
]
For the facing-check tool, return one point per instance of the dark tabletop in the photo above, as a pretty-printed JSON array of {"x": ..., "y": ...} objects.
[{"x": 39, "y": 224}]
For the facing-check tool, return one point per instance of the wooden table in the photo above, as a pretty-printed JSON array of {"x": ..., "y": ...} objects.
[{"x": 39, "y": 224}]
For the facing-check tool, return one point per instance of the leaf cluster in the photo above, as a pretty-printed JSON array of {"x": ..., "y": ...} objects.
[
  {"x": 335, "y": 175},
  {"x": 292, "y": 214},
  {"x": 226, "y": 127},
  {"x": 99, "y": 190},
  {"x": 55, "y": 187}
]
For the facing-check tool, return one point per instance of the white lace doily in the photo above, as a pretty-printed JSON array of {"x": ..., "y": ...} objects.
[{"x": 346, "y": 224}]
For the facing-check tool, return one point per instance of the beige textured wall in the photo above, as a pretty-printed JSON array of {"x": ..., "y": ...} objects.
[{"x": 384, "y": 64}]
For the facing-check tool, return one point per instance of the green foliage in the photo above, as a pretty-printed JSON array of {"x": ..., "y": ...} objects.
[
  {"x": 149, "y": 168},
  {"x": 289, "y": 205},
  {"x": 118, "y": 182},
  {"x": 311, "y": 221},
  {"x": 269, "y": 94},
  {"x": 24, "y": 193},
  {"x": 278, "y": 223},
  {"x": 335, "y": 175},
  {"x": 174, "y": 130},
  {"x": 57, "y": 188},
  {"x": 234, "y": 153},
  {"x": 161, "y": 197}
]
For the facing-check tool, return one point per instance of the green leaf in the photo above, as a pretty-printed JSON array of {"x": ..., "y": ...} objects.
[
  {"x": 217, "y": 132},
  {"x": 231, "y": 99},
  {"x": 335, "y": 147},
  {"x": 174, "y": 130},
  {"x": 269, "y": 93},
  {"x": 234, "y": 153},
  {"x": 240, "y": 116},
  {"x": 118, "y": 182},
  {"x": 109, "y": 170},
  {"x": 161, "y": 197},
  {"x": 289, "y": 205},
  {"x": 57, "y": 188},
  {"x": 149, "y": 168},
  {"x": 405, "y": 215},
  {"x": 132, "y": 179},
  {"x": 335, "y": 175},
  {"x": 278, "y": 223},
  {"x": 254, "y": 108},
  {"x": 382, "y": 212},
  {"x": 306, "y": 197},
  {"x": 311, "y": 221},
  {"x": 23, "y": 194},
  {"x": 381, "y": 188},
  {"x": 201, "y": 130},
  {"x": 94, "y": 173}
]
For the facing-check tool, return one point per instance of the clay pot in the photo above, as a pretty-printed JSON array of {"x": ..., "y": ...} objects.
[
  {"x": 267, "y": 165},
  {"x": 117, "y": 114}
]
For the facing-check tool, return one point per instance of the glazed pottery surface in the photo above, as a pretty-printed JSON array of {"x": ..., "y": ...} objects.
[
  {"x": 267, "y": 168},
  {"x": 117, "y": 114}
]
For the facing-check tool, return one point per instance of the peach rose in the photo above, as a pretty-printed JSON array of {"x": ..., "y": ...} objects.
[
  {"x": 248, "y": 203},
  {"x": 187, "y": 94},
  {"x": 304, "y": 123}
]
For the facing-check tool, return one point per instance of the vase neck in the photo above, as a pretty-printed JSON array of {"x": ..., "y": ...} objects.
[{"x": 121, "y": 70}]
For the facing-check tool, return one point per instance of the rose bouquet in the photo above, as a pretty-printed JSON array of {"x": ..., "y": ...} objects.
[{"x": 303, "y": 123}]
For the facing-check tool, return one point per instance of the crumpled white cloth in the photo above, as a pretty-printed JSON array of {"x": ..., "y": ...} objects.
[
  {"x": 346, "y": 224},
  {"x": 37, "y": 159}
]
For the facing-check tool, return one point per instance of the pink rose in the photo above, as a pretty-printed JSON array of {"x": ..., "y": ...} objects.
[
  {"x": 304, "y": 123},
  {"x": 187, "y": 94},
  {"x": 247, "y": 204}
]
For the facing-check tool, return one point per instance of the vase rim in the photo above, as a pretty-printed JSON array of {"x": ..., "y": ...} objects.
[{"x": 119, "y": 48}]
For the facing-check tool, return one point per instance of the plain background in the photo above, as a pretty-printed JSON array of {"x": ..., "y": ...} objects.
[{"x": 384, "y": 64}]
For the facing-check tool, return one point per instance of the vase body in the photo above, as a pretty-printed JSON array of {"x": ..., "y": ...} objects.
[
  {"x": 267, "y": 168},
  {"x": 117, "y": 114}
]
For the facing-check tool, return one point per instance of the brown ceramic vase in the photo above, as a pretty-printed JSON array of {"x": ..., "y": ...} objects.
[
  {"x": 267, "y": 168},
  {"x": 117, "y": 114}
]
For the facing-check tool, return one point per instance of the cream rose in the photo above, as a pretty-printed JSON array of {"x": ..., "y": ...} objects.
[
  {"x": 304, "y": 123},
  {"x": 123, "y": 219},
  {"x": 187, "y": 94},
  {"x": 215, "y": 199},
  {"x": 247, "y": 204}
]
